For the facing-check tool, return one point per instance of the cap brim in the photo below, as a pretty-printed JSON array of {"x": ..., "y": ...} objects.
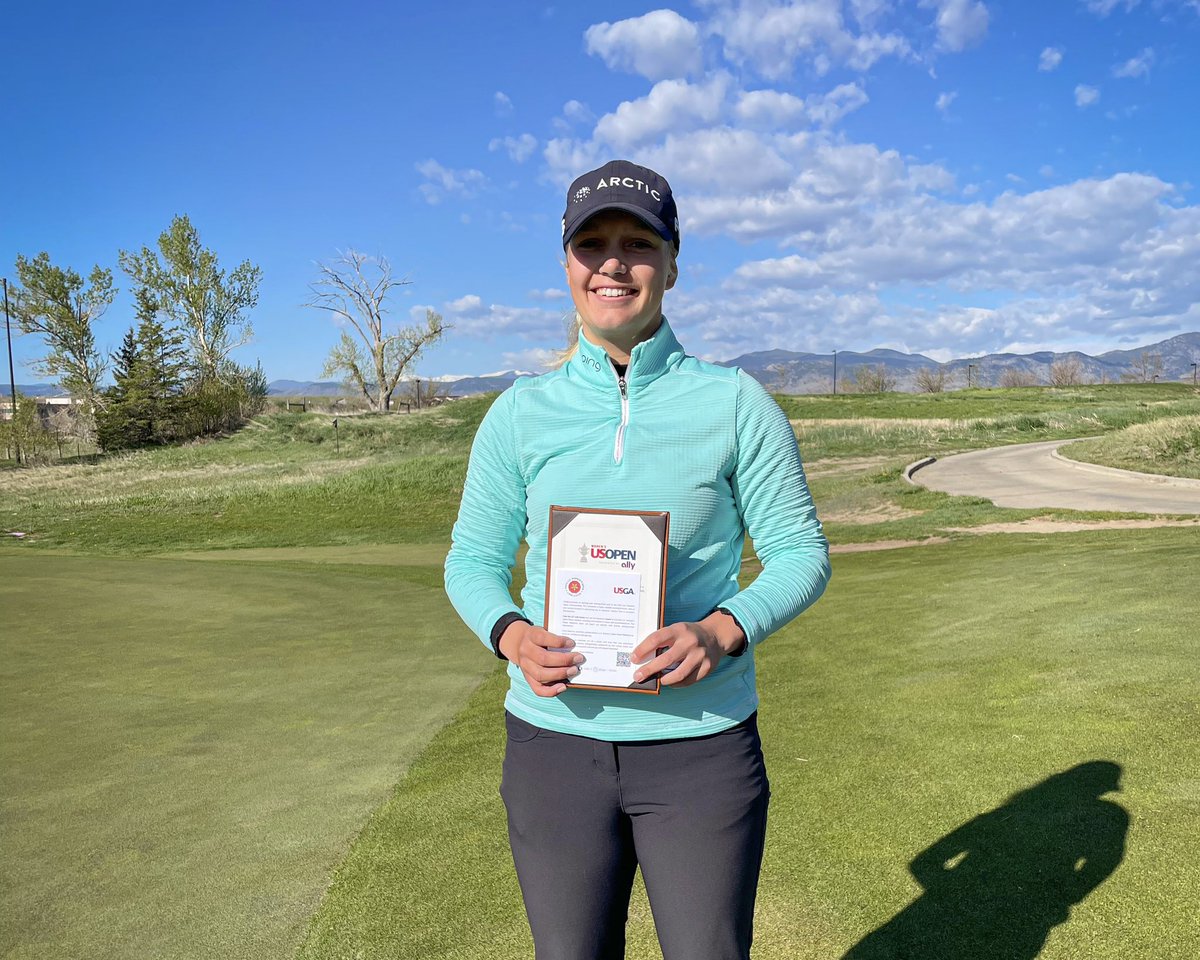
[{"x": 633, "y": 209}]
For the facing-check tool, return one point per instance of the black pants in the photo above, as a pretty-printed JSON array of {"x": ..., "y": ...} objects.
[{"x": 583, "y": 814}]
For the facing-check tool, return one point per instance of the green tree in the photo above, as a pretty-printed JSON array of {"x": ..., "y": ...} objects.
[
  {"x": 355, "y": 289},
  {"x": 24, "y": 434},
  {"x": 125, "y": 420},
  {"x": 205, "y": 303},
  {"x": 163, "y": 365},
  {"x": 62, "y": 308}
]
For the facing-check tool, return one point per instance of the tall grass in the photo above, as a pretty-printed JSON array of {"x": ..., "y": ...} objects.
[{"x": 1170, "y": 446}]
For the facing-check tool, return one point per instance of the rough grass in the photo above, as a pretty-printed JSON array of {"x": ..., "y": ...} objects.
[
  {"x": 927, "y": 689},
  {"x": 1170, "y": 446},
  {"x": 397, "y": 479}
]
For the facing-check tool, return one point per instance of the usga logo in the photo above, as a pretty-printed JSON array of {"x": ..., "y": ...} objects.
[
  {"x": 628, "y": 557},
  {"x": 622, "y": 589},
  {"x": 574, "y": 587}
]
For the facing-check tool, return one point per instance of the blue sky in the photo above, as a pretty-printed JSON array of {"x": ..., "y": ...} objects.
[{"x": 950, "y": 177}]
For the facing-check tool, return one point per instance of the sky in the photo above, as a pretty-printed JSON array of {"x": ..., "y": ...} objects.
[{"x": 948, "y": 177}]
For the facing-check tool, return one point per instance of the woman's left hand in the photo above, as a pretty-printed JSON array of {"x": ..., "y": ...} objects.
[{"x": 692, "y": 649}]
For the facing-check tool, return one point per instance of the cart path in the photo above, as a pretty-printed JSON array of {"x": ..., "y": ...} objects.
[{"x": 1031, "y": 475}]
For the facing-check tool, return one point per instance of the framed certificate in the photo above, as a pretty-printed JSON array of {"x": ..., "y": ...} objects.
[{"x": 606, "y": 583}]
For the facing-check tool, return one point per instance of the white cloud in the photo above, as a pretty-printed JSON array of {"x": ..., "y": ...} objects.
[
  {"x": 1050, "y": 59},
  {"x": 670, "y": 106},
  {"x": 658, "y": 45},
  {"x": 1138, "y": 66},
  {"x": 577, "y": 112},
  {"x": 828, "y": 108},
  {"x": 550, "y": 293},
  {"x": 960, "y": 23},
  {"x": 774, "y": 110},
  {"x": 1067, "y": 264},
  {"x": 472, "y": 318},
  {"x": 944, "y": 100},
  {"x": 1085, "y": 96},
  {"x": 441, "y": 182},
  {"x": 502, "y": 104},
  {"x": 770, "y": 36},
  {"x": 1104, "y": 7},
  {"x": 1046, "y": 170},
  {"x": 769, "y": 108},
  {"x": 519, "y": 148},
  {"x": 868, "y": 12},
  {"x": 534, "y": 360}
]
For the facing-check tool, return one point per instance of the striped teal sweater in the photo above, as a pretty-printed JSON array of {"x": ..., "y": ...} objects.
[{"x": 706, "y": 443}]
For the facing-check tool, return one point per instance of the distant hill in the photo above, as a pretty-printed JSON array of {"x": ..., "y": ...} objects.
[
  {"x": 785, "y": 371},
  {"x": 456, "y": 386},
  {"x": 34, "y": 390}
]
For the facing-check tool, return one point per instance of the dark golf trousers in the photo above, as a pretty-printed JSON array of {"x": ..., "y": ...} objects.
[{"x": 583, "y": 814}]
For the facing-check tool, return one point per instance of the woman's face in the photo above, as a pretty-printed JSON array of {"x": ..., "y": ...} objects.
[{"x": 618, "y": 269}]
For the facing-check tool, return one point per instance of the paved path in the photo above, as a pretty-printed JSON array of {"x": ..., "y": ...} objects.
[{"x": 1035, "y": 475}]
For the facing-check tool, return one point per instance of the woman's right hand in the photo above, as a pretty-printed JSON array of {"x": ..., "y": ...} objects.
[{"x": 545, "y": 659}]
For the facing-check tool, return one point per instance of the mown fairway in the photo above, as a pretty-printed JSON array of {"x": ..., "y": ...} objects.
[
  {"x": 195, "y": 735},
  {"x": 927, "y": 687}
]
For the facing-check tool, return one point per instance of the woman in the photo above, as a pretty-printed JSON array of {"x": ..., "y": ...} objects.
[{"x": 597, "y": 783}]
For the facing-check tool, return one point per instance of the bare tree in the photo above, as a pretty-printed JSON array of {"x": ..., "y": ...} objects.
[
  {"x": 931, "y": 379},
  {"x": 1067, "y": 372},
  {"x": 355, "y": 288},
  {"x": 1018, "y": 377},
  {"x": 422, "y": 393},
  {"x": 1146, "y": 368},
  {"x": 874, "y": 379}
]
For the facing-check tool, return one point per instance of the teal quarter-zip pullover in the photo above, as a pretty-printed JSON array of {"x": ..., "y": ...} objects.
[{"x": 707, "y": 444}]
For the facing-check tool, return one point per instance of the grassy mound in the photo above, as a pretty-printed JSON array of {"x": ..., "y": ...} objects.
[{"x": 1170, "y": 446}]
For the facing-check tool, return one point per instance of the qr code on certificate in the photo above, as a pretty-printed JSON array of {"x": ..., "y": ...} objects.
[{"x": 622, "y": 659}]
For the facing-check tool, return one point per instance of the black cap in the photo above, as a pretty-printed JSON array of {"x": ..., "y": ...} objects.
[{"x": 621, "y": 185}]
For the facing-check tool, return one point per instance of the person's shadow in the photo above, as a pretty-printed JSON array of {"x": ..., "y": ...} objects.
[{"x": 996, "y": 886}]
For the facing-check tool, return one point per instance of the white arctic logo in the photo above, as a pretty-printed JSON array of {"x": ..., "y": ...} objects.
[
  {"x": 581, "y": 194},
  {"x": 629, "y": 184}
]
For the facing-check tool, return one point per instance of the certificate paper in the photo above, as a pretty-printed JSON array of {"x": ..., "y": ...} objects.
[{"x": 605, "y": 586}]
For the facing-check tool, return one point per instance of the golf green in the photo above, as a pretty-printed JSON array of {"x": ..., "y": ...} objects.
[{"x": 190, "y": 747}]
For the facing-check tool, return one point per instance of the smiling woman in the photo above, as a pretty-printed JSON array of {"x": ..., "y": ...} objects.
[{"x": 599, "y": 782}]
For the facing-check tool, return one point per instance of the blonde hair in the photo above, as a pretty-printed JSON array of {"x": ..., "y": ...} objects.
[{"x": 574, "y": 322}]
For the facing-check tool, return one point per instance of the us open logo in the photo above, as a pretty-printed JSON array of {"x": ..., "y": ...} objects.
[{"x": 574, "y": 587}]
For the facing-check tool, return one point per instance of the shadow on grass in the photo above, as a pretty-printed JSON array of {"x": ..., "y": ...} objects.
[{"x": 996, "y": 886}]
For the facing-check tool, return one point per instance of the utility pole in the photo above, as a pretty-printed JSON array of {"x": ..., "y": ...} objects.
[
  {"x": 835, "y": 372},
  {"x": 1193, "y": 374},
  {"x": 970, "y": 367},
  {"x": 12, "y": 379}
]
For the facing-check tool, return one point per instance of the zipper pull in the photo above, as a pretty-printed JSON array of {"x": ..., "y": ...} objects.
[{"x": 621, "y": 386}]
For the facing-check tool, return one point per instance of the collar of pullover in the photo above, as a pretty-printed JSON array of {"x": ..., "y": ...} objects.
[{"x": 649, "y": 360}]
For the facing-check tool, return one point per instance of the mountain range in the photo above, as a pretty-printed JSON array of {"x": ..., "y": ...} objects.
[{"x": 785, "y": 371}]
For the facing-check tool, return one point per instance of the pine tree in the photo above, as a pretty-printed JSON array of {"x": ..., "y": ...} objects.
[
  {"x": 162, "y": 365},
  {"x": 124, "y": 420}
]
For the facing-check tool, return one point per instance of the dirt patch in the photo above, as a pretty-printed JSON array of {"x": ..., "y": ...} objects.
[
  {"x": 832, "y": 466},
  {"x": 1032, "y": 525},
  {"x": 884, "y": 545},
  {"x": 1045, "y": 525},
  {"x": 880, "y": 513}
]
